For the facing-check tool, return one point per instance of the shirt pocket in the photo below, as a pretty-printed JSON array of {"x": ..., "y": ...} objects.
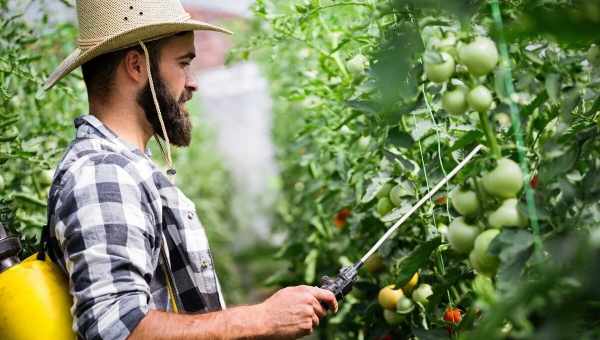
[{"x": 190, "y": 237}]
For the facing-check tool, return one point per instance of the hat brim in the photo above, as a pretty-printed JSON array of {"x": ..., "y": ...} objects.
[{"x": 124, "y": 40}]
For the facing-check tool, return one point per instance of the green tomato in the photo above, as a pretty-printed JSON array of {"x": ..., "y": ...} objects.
[
  {"x": 45, "y": 177},
  {"x": 358, "y": 64},
  {"x": 363, "y": 142},
  {"x": 392, "y": 318},
  {"x": 447, "y": 44},
  {"x": 404, "y": 305},
  {"x": 439, "y": 73},
  {"x": 462, "y": 235},
  {"x": 508, "y": 215},
  {"x": 465, "y": 202},
  {"x": 480, "y": 56},
  {"x": 505, "y": 181},
  {"x": 593, "y": 55},
  {"x": 397, "y": 193},
  {"x": 384, "y": 191},
  {"x": 384, "y": 206},
  {"x": 480, "y": 98},
  {"x": 422, "y": 293},
  {"x": 455, "y": 102},
  {"x": 484, "y": 288},
  {"x": 2, "y": 183},
  {"x": 482, "y": 261},
  {"x": 374, "y": 263},
  {"x": 503, "y": 120}
]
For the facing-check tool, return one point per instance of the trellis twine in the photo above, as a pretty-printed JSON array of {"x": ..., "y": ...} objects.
[{"x": 507, "y": 82}]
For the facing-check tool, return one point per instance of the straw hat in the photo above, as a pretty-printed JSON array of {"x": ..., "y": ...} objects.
[{"x": 109, "y": 25}]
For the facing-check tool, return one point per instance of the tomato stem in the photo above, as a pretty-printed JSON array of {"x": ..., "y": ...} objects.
[{"x": 489, "y": 135}]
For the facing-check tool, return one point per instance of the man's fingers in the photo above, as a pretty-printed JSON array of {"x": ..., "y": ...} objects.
[
  {"x": 319, "y": 310},
  {"x": 315, "y": 321},
  {"x": 323, "y": 295}
]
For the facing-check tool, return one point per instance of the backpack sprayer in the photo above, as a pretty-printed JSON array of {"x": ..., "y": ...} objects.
[
  {"x": 342, "y": 283},
  {"x": 34, "y": 296}
]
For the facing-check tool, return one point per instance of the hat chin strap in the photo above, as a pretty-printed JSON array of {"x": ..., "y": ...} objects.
[{"x": 167, "y": 156}]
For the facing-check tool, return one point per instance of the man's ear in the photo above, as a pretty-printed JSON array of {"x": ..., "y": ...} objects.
[{"x": 134, "y": 63}]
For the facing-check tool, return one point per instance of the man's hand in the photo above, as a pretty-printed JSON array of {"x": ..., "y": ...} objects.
[
  {"x": 289, "y": 314},
  {"x": 295, "y": 311}
]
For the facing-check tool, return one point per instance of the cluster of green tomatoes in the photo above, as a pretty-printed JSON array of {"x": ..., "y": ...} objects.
[{"x": 490, "y": 202}]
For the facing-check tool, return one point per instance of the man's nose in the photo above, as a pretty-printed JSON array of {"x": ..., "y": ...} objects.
[{"x": 190, "y": 83}]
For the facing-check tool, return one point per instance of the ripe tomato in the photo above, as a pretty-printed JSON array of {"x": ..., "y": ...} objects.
[
  {"x": 408, "y": 287},
  {"x": 462, "y": 235},
  {"x": 455, "y": 102},
  {"x": 508, "y": 215},
  {"x": 505, "y": 181},
  {"x": 465, "y": 202},
  {"x": 453, "y": 315},
  {"x": 439, "y": 73},
  {"x": 534, "y": 182},
  {"x": 357, "y": 64},
  {"x": 384, "y": 206},
  {"x": 374, "y": 263},
  {"x": 441, "y": 200},
  {"x": 480, "y": 98},
  {"x": 482, "y": 261},
  {"x": 341, "y": 218},
  {"x": 480, "y": 56},
  {"x": 392, "y": 318},
  {"x": 422, "y": 293},
  {"x": 388, "y": 297}
]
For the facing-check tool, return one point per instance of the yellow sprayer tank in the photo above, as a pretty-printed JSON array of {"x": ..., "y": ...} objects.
[{"x": 34, "y": 296}]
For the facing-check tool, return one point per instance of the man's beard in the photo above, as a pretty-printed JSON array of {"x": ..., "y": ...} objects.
[{"x": 176, "y": 118}]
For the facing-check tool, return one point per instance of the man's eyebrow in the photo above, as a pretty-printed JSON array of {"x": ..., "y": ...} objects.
[{"x": 189, "y": 55}]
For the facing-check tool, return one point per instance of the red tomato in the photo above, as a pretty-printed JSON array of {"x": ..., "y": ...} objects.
[
  {"x": 534, "y": 182},
  {"x": 341, "y": 218},
  {"x": 441, "y": 200},
  {"x": 453, "y": 315}
]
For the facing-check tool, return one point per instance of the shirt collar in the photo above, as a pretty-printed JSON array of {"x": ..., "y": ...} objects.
[{"x": 100, "y": 130}]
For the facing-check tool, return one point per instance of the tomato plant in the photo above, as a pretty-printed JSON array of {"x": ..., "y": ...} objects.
[{"x": 441, "y": 77}]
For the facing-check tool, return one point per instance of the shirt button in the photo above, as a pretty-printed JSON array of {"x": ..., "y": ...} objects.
[
  {"x": 190, "y": 215},
  {"x": 203, "y": 264}
]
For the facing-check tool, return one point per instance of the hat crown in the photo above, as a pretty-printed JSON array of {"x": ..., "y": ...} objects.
[{"x": 101, "y": 19}]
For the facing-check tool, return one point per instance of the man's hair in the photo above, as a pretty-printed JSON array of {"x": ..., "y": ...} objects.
[{"x": 99, "y": 73}]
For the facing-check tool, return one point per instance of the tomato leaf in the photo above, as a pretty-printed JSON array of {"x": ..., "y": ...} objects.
[
  {"x": 469, "y": 138},
  {"x": 375, "y": 186},
  {"x": 513, "y": 247},
  {"x": 400, "y": 139},
  {"x": 407, "y": 266}
]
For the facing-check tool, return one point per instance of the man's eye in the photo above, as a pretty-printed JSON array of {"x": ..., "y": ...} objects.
[{"x": 185, "y": 64}]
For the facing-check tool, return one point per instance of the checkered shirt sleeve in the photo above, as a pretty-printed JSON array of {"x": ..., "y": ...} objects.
[{"x": 104, "y": 220}]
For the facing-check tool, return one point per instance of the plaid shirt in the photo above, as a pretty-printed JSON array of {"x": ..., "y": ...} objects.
[{"x": 110, "y": 209}]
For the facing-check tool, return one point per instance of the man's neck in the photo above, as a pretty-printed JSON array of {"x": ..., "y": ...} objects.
[{"x": 128, "y": 122}]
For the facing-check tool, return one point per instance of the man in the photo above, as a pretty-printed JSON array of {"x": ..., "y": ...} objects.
[{"x": 136, "y": 255}]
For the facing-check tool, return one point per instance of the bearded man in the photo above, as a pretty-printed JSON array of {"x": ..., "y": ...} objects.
[{"x": 135, "y": 253}]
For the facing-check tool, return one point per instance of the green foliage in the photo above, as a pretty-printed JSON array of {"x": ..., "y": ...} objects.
[
  {"x": 36, "y": 125},
  {"x": 343, "y": 135}
]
